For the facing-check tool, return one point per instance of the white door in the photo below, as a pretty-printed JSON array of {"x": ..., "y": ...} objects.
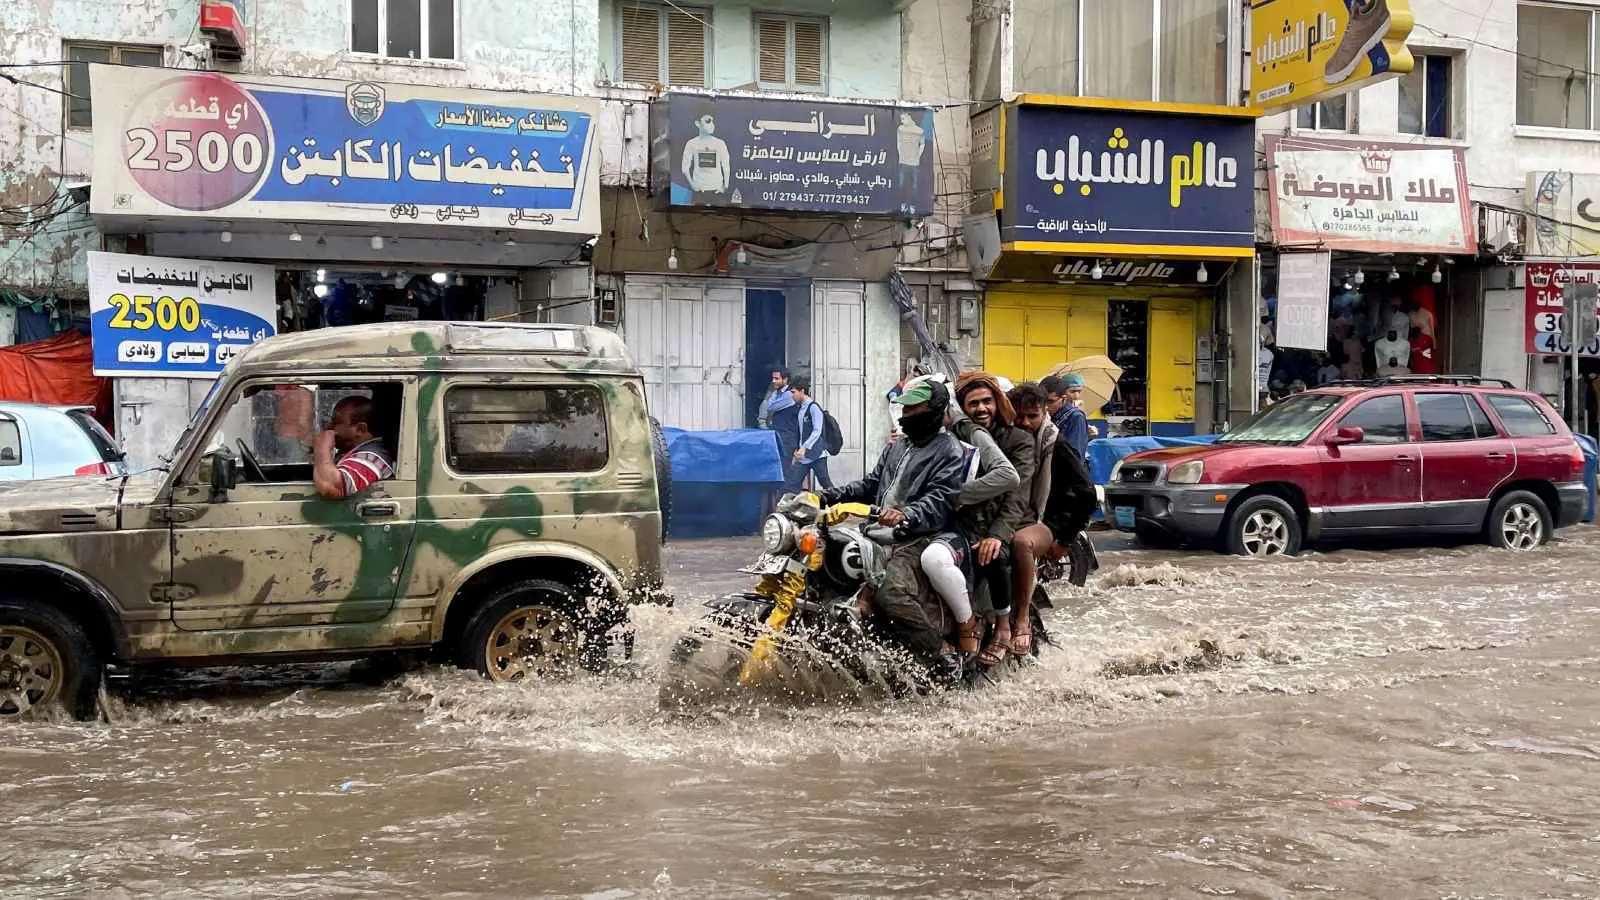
[
  {"x": 838, "y": 368},
  {"x": 687, "y": 336}
]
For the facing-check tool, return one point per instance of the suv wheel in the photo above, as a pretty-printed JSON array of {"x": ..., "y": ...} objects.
[
  {"x": 529, "y": 629},
  {"x": 46, "y": 660},
  {"x": 1264, "y": 525},
  {"x": 1520, "y": 521}
]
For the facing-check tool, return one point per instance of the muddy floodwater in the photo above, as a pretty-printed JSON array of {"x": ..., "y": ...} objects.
[{"x": 1355, "y": 723}]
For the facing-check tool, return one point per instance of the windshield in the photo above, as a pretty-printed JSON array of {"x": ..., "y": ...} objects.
[
  {"x": 1289, "y": 422},
  {"x": 194, "y": 420},
  {"x": 104, "y": 444}
]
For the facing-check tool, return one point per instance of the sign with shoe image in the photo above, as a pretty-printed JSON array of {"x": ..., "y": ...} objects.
[{"x": 1304, "y": 50}]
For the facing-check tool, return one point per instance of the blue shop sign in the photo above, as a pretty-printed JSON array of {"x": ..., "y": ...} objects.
[
  {"x": 793, "y": 155},
  {"x": 1089, "y": 180}
]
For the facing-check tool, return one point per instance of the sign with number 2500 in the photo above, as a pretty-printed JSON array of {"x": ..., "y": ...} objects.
[{"x": 183, "y": 318}]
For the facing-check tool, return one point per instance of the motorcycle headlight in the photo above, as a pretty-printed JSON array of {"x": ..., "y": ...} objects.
[
  {"x": 777, "y": 534},
  {"x": 1116, "y": 471},
  {"x": 1186, "y": 472}
]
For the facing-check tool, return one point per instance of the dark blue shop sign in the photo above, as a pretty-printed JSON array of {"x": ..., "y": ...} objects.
[
  {"x": 750, "y": 153},
  {"x": 1091, "y": 180}
]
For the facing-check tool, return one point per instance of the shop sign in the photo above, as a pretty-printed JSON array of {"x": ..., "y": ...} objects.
[
  {"x": 1304, "y": 50},
  {"x": 1566, "y": 209},
  {"x": 1091, "y": 180},
  {"x": 735, "y": 152},
  {"x": 1372, "y": 197},
  {"x": 202, "y": 144},
  {"x": 1041, "y": 267},
  {"x": 223, "y": 22},
  {"x": 1545, "y": 305},
  {"x": 1303, "y": 281},
  {"x": 175, "y": 318}
]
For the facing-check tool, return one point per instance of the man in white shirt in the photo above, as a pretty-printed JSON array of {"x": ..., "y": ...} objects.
[{"x": 705, "y": 162}]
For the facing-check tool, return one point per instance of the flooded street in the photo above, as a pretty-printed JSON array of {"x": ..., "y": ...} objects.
[{"x": 1358, "y": 723}]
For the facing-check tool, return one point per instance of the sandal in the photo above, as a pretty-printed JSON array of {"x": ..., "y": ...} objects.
[
  {"x": 994, "y": 654},
  {"x": 1022, "y": 640},
  {"x": 967, "y": 636}
]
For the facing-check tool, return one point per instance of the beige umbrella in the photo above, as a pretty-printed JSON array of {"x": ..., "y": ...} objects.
[{"x": 1099, "y": 375}]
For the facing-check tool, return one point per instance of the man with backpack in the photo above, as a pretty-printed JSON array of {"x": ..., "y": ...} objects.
[{"x": 819, "y": 438}]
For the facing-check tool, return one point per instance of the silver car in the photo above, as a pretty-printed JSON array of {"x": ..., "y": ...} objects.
[{"x": 38, "y": 441}]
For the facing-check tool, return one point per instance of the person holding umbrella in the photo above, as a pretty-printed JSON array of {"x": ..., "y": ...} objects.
[{"x": 1065, "y": 394}]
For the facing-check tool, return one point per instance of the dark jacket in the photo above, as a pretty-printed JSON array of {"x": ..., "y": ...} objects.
[
  {"x": 1072, "y": 496},
  {"x": 1002, "y": 516},
  {"x": 920, "y": 481}
]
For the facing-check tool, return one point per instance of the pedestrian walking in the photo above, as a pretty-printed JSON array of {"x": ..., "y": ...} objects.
[{"x": 810, "y": 456}]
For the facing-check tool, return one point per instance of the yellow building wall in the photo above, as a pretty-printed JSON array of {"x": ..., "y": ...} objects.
[{"x": 1030, "y": 329}]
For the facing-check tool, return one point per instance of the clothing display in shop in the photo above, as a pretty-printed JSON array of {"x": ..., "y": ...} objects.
[
  {"x": 1422, "y": 310},
  {"x": 1423, "y": 361},
  {"x": 1392, "y": 352}
]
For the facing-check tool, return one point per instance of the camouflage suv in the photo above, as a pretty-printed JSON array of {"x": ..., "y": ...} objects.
[{"x": 522, "y": 518}]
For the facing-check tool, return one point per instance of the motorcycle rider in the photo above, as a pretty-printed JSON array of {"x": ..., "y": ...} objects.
[
  {"x": 1033, "y": 542},
  {"x": 914, "y": 484},
  {"x": 947, "y": 561},
  {"x": 994, "y": 523}
]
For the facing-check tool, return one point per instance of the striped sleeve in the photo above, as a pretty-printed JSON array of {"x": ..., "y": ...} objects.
[{"x": 362, "y": 469}]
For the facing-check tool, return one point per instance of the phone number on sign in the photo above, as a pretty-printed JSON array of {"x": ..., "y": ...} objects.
[{"x": 802, "y": 197}]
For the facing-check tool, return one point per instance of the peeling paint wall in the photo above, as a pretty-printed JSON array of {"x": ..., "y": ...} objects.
[{"x": 503, "y": 45}]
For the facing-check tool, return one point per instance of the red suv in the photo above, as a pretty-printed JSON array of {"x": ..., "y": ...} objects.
[{"x": 1399, "y": 455}]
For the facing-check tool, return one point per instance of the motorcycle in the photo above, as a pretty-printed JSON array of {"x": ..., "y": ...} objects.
[{"x": 806, "y": 627}]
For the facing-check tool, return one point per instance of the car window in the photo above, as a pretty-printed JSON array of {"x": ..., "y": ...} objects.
[
  {"x": 103, "y": 442},
  {"x": 1520, "y": 416},
  {"x": 1480, "y": 419},
  {"x": 1382, "y": 418},
  {"x": 526, "y": 430},
  {"x": 277, "y": 423},
  {"x": 1445, "y": 417},
  {"x": 10, "y": 443}
]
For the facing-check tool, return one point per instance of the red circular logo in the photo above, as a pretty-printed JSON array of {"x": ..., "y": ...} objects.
[{"x": 197, "y": 142}]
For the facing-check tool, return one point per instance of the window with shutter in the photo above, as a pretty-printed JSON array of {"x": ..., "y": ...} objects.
[
  {"x": 79, "y": 112},
  {"x": 661, "y": 44},
  {"x": 791, "y": 54}
]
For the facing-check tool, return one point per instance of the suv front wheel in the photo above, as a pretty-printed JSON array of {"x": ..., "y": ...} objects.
[
  {"x": 1263, "y": 525},
  {"x": 530, "y": 629},
  {"x": 1520, "y": 521},
  {"x": 46, "y": 660}
]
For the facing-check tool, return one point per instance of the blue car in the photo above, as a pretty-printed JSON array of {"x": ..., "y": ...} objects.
[{"x": 38, "y": 441}]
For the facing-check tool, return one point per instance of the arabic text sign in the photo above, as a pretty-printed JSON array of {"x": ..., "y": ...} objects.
[
  {"x": 1302, "y": 50},
  {"x": 1545, "y": 306},
  {"x": 1372, "y": 196},
  {"x": 750, "y": 153},
  {"x": 1303, "y": 300},
  {"x": 1567, "y": 205},
  {"x": 1116, "y": 177},
  {"x": 175, "y": 318},
  {"x": 204, "y": 144}
]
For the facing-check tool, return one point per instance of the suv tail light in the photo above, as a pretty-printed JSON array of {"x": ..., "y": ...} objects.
[
  {"x": 98, "y": 468},
  {"x": 1577, "y": 460}
]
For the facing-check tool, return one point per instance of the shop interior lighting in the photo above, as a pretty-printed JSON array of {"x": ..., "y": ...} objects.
[
  {"x": 672, "y": 259},
  {"x": 294, "y": 236},
  {"x": 461, "y": 280},
  {"x": 321, "y": 290},
  {"x": 1097, "y": 272},
  {"x": 226, "y": 237},
  {"x": 322, "y": 276},
  {"x": 377, "y": 242},
  {"x": 1347, "y": 284},
  {"x": 1201, "y": 275},
  {"x": 741, "y": 256},
  {"x": 1394, "y": 274},
  {"x": 441, "y": 277},
  {"x": 1437, "y": 275},
  {"x": 1360, "y": 277}
]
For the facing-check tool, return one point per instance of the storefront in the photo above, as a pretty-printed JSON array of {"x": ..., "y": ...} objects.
[
  {"x": 767, "y": 243},
  {"x": 1366, "y": 275},
  {"x": 291, "y": 204},
  {"x": 1116, "y": 229}
]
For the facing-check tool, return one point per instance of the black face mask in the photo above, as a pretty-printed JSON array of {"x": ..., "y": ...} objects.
[{"x": 919, "y": 427}]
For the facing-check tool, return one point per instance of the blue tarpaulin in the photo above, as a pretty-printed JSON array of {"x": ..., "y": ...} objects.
[
  {"x": 1104, "y": 452},
  {"x": 742, "y": 455},
  {"x": 1591, "y": 461},
  {"x": 721, "y": 480}
]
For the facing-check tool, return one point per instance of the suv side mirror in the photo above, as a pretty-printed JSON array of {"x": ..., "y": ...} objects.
[
  {"x": 224, "y": 474},
  {"x": 1347, "y": 435}
]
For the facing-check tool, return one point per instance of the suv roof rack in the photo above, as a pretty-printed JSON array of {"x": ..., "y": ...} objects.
[{"x": 1395, "y": 380}]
